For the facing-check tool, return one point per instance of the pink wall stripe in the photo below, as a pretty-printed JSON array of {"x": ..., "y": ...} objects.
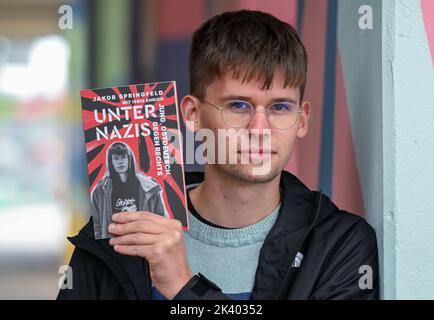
[
  {"x": 179, "y": 19},
  {"x": 285, "y": 10},
  {"x": 428, "y": 18}
]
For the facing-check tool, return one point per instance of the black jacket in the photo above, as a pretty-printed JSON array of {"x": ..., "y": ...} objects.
[{"x": 337, "y": 248}]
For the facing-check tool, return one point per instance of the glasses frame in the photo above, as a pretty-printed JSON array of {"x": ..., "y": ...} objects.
[{"x": 266, "y": 110}]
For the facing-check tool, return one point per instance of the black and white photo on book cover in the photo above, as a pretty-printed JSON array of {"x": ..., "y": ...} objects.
[{"x": 134, "y": 153}]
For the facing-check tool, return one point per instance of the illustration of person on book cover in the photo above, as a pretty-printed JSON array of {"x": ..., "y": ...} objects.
[{"x": 123, "y": 188}]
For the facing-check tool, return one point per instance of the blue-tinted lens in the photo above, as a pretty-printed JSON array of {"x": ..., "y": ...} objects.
[
  {"x": 238, "y": 106},
  {"x": 282, "y": 107}
]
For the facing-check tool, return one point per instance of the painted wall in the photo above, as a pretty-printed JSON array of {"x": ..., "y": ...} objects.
[{"x": 408, "y": 134}]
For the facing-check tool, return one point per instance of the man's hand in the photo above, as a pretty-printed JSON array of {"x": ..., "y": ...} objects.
[{"x": 158, "y": 239}]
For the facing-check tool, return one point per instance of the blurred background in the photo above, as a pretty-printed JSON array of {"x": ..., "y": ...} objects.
[{"x": 359, "y": 58}]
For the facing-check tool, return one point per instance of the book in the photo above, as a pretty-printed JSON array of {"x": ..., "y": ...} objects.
[{"x": 134, "y": 152}]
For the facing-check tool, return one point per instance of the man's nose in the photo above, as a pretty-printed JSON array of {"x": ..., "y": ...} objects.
[{"x": 260, "y": 119}]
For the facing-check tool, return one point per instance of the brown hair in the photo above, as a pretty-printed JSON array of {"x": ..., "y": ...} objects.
[{"x": 250, "y": 42}]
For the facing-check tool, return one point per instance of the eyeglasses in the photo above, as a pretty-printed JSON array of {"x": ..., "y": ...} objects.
[{"x": 238, "y": 113}]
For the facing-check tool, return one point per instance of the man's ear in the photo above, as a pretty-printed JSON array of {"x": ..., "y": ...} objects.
[
  {"x": 303, "y": 123},
  {"x": 190, "y": 112}
]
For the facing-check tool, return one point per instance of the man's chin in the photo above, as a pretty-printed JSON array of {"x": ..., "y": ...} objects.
[{"x": 250, "y": 173}]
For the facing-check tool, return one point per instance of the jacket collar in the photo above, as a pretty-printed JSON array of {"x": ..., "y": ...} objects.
[
  {"x": 301, "y": 210},
  {"x": 296, "y": 218}
]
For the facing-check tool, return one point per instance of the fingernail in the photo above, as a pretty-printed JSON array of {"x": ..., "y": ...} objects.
[
  {"x": 115, "y": 215},
  {"x": 111, "y": 226}
]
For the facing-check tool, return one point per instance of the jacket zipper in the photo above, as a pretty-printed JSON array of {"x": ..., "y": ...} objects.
[{"x": 291, "y": 271}]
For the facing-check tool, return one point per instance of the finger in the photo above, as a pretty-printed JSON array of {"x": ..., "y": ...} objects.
[
  {"x": 136, "y": 239},
  {"x": 125, "y": 217},
  {"x": 138, "y": 226}
]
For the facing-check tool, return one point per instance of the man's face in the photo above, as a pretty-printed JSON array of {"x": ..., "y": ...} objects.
[
  {"x": 120, "y": 163},
  {"x": 282, "y": 140}
]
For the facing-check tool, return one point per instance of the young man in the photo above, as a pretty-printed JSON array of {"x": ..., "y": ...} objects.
[
  {"x": 252, "y": 236},
  {"x": 123, "y": 189}
]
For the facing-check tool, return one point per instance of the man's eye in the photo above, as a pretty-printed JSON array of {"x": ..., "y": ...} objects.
[
  {"x": 282, "y": 107},
  {"x": 239, "y": 106}
]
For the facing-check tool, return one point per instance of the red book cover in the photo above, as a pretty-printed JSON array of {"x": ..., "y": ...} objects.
[{"x": 134, "y": 152}]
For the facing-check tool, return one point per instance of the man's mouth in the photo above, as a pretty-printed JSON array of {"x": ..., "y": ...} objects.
[
  {"x": 257, "y": 154},
  {"x": 257, "y": 151}
]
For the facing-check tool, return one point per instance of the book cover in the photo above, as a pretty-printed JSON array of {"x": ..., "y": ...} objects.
[{"x": 134, "y": 152}]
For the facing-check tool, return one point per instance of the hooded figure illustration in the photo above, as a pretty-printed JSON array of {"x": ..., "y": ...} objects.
[{"x": 122, "y": 188}]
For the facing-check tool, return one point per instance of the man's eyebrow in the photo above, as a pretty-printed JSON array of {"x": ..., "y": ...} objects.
[
  {"x": 235, "y": 97},
  {"x": 249, "y": 99},
  {"x": 283, "y": 99}
]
